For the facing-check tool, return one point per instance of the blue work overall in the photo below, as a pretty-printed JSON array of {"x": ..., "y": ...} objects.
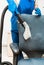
[{"x": 24, "y": 7}]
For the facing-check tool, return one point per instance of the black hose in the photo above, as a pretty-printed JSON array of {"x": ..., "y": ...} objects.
[
  {"x": 20, "y": 19},
  {"x": 1, "y": 29},
  {"x": 2, "y": 20},
  {"x": 2, "y": 23}
]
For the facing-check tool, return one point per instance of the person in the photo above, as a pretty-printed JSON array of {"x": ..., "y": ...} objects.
[{"x": 24, "y": 7}]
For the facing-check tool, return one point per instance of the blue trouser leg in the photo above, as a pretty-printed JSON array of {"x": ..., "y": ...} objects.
[{"x": 15, "y": 38}]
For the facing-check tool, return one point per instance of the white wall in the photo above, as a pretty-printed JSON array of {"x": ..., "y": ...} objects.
[
  {"x": 6, "y": 51},
  {"x": 41, "y": 5}
]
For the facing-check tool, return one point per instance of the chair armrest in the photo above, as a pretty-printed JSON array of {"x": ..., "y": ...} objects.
[{"x": 14, "y": 48}]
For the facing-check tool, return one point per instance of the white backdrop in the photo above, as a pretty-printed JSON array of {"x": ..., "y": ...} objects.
[{"x": 6, "y": 40}]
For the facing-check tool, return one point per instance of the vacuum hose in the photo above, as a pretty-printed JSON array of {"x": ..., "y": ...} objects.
[{"x": 2, "y": 20}]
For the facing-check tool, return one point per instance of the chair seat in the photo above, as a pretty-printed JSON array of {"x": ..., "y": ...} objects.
[
  {"x": 31, "y": 61},
  {"x": 36, "y": 42}
]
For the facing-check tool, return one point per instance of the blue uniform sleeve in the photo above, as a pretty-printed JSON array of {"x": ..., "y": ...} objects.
[{"x": 12, "y": 6}]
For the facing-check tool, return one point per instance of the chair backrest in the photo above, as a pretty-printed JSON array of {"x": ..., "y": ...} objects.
[{"x": 36, "y": 42}]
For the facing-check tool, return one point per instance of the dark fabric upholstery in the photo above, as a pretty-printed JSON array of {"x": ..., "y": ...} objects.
[{"x": 36, "y": 42}]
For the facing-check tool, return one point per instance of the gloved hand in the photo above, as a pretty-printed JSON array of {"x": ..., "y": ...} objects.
[
  {"x": 37, "y": 11},
  {"x": 27, "y": 32},
  {"x": 12, "y": 6}
]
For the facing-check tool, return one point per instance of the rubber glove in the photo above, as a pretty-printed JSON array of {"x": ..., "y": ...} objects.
[
  {"x": 12, "y": 6},
  {"x": 37, "y": 11}
]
